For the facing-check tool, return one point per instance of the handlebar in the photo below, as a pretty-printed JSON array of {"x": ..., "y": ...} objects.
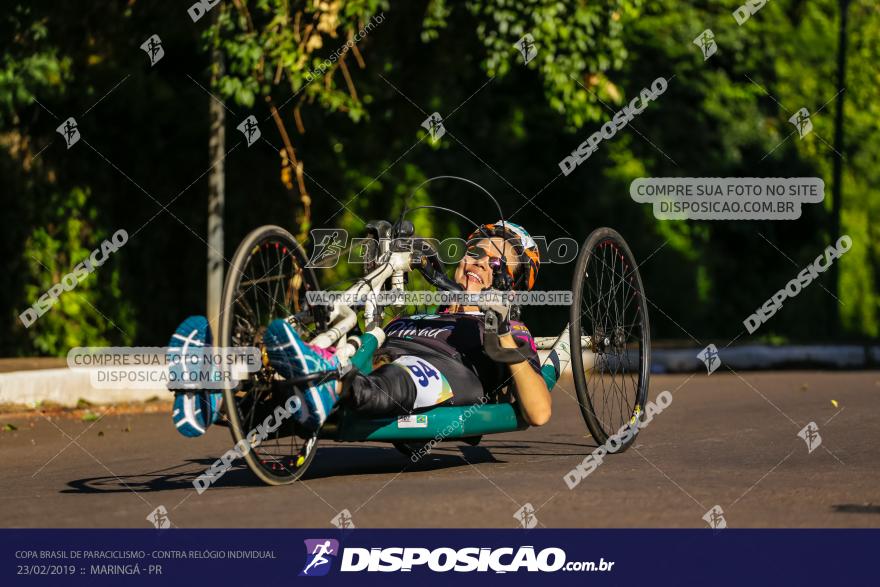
[
  {"x": 419, "y": 254},
  {"x": 431, "y": 268},
  {"x": 425, "y": 257}
]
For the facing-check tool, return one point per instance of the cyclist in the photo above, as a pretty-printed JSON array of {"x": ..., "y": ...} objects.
[{"x": 426, "y": 360}]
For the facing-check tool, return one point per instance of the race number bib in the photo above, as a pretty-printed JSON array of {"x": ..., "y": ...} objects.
[{"x": 431, "y": 386}]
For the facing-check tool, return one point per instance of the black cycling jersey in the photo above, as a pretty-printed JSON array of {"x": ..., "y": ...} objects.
[
  {"x": 459, "y": 336},
  {"x": 434, "y": 359}
]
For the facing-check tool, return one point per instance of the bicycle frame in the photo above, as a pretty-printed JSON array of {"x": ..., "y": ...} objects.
[{"x": 343, "y": 318}]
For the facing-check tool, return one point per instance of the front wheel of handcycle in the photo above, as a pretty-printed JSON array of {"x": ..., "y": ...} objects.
[
  {"x": 610, "y": 339},
  {"x": 267, "y": 279}
]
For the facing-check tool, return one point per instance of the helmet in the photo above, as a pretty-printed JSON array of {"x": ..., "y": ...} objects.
[{"x": 523, "y": 276}]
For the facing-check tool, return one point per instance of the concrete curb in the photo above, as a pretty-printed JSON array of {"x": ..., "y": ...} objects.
[
  {"x": 760, "y": 357},
  {"x": 764, "y": 357},
  {"x": 65, "y": 387}
]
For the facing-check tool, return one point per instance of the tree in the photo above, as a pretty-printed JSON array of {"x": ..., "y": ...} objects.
[{"x": 273, "y": 50}]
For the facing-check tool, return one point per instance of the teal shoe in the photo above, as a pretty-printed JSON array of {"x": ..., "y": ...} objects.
[
  {"x": 194, "y": 409},
  {"x": 291, "y": 358}
]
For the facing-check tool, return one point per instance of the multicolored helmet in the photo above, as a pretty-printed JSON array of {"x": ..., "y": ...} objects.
[{"x": 525, "y": 274}]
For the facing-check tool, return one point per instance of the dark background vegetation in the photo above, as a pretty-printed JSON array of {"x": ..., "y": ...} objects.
[{"x": 150, "y": 136}]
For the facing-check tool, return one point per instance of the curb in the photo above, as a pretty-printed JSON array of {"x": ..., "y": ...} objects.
[
  {"x": 65, "y": 387},
  {"x": 762, "y": 357}
]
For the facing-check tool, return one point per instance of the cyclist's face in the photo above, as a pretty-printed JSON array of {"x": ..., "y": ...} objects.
[{"x": 474, "y": 271}]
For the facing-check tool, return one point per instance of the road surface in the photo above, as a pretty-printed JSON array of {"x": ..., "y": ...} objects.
[{"x": 727, "y": 439}]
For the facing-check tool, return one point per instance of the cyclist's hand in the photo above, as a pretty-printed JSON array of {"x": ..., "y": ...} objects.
[{"x": 497, "y": 312}]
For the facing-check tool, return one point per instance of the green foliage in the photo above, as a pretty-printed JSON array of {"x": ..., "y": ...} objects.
[
  {"x": 804, "y": 68},
  {"x": 578, "y": 43},
  {"x": 283, "y": 52},
  {"x": 361, "y": 146},
  {"x": 728, "y": 116},
  {"x": 275, "y": 48},
  {"x": 52, "y": 251},
  {"x": 31, "y": 65}
]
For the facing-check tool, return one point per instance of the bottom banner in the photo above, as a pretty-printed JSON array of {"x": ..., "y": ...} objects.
[{"x": 582, "y": 557}]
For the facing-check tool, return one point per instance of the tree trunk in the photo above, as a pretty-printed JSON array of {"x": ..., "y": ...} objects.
[
  {"x": 837, "y": 173},
  {"x": 216, "y": 196}
]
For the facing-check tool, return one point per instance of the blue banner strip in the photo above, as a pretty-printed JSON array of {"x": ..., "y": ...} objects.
[{"x": 249, "y": 557}]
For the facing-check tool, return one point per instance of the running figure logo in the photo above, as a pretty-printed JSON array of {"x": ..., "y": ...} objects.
[
  {"x": 706, "y": 42},
  {"x": 527, "y": 48},
  {"x": 526, "y": 516},
  {"x": 434, "y": 125},
  {"x": 329, "y": 244},
  {"x": 153, "y": 48},
  {"x": 343, "y": 520},
  {"x": 319, "y": 556},
  {"x": 250, "y": 130},
  {"x": 715, "y": 518},
  {"x": 801, "y": 121},
  {"x": 810, "y": 434},
  {"x": 709, "y": 356},
  {"x": 159, "y": 518},
  {"x": 70, "y": 131}
]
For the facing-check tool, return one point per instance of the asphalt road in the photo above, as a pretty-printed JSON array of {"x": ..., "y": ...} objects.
[{"x": 726, "y": 439}]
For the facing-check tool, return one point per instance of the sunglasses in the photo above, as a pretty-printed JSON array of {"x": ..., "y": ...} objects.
[{"x": 475, "y": 252}]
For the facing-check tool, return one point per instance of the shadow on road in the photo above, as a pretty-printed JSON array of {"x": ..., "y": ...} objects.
[
  {"x": 331, "y": 460},
  {"x": 856, "y": 508},
  {"x": 167, "y": 479},
  {"x": 544, "y": 448}
]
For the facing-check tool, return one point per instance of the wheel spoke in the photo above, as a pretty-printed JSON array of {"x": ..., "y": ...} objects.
[
  {"x": 270, "y": 281},
  {"x": 611, "y": 313}
]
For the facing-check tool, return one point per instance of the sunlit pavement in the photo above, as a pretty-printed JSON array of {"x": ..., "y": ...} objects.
[{"x": 726, "y": 439}]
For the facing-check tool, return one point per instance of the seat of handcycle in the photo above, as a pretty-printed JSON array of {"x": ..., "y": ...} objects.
[{"x": 445, "y": 422}]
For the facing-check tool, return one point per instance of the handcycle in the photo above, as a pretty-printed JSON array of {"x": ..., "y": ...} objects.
[{"x": 607, "y": 341}]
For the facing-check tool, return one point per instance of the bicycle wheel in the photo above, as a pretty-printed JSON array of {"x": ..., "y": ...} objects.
[
  {"x": 267, "y": 279},
  {"x": 609, "y": 308}
]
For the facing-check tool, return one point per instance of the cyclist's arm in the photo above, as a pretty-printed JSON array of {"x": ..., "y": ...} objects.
[{"x": 531, "y": 390}]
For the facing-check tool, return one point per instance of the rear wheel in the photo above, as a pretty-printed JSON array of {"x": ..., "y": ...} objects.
[
  {"x": 267, "y": 279},
  {"x": 610, "y": 337}
]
